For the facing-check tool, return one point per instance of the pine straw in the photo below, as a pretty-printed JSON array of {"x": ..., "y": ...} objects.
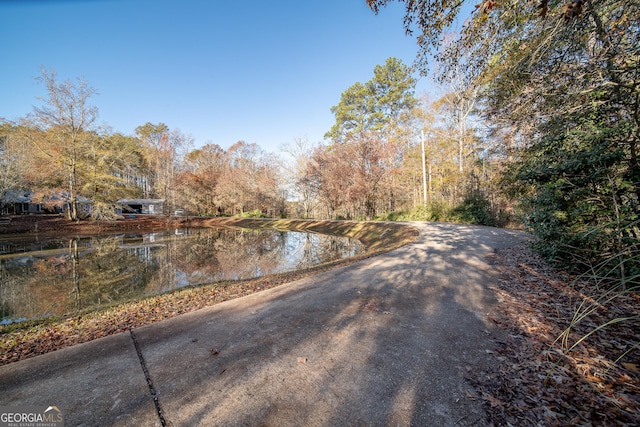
[{"x": 538, "y": 381}]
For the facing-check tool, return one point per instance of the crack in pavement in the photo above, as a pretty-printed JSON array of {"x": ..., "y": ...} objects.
[{"x": 147, "y": 376}]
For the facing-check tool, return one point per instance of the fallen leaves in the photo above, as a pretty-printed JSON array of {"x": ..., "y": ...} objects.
[
  {"x": 538, "y": 381},
  {"x": 43, "y": 338}
]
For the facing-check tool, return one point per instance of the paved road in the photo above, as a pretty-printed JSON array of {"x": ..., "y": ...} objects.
[{"x": 385, "y": 341}]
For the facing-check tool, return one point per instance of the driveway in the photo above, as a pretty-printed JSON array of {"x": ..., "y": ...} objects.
[{"x": 385, "y": 341}]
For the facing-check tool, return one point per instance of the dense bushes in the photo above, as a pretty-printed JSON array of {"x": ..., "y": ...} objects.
[{"x": 474, "y": 209}]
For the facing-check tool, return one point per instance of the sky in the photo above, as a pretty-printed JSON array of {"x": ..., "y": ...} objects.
[{"x": 220, "y": 71}]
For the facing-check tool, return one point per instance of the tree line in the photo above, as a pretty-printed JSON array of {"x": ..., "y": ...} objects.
[
  {"x": 384, "y": 146},
  {"x": 393, "y": 155},
  {"x": 61, "y": 154},
  {"x": 557, "y": 84}
]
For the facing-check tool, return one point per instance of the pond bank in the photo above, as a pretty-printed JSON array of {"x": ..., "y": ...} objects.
[
  {"x": 24, "y": 340},
  {"x": 377, "y": 236}
]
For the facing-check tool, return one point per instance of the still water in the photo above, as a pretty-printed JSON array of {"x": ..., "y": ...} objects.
[{"x": 43, "y": 277}]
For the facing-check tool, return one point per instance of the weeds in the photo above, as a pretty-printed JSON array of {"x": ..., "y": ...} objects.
[
  {"x": 474, "y": 209},
  {"x": 606, "y": 289}
]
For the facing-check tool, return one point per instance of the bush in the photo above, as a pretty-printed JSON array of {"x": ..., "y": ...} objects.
[
  {"x": 438, "y": 210},
  {"x": 474, "y": 209},
  {"x": 103, "y": 211},
  {"x": 256, "y": 213}
]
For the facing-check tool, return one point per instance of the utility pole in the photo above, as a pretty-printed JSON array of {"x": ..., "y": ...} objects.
[{"x": 424, "y": 169}]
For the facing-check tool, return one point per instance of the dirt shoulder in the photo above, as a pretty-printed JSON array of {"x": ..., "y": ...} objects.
[{"x": 539, "y": 379}]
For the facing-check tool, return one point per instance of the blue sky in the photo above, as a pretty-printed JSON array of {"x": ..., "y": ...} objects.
[{"x": 265, "y": 72}]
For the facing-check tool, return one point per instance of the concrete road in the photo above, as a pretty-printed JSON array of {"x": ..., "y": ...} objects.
[{"x": 385, "y": 341}]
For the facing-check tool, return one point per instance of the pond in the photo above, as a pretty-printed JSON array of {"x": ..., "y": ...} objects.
[{"x": 54, "y": 276}]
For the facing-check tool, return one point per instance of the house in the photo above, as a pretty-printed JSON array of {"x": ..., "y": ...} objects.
[
  {"x": 18, "y": 202},
  {"x": 141, "y": 206},
  {"x": 15, "y": 202}
]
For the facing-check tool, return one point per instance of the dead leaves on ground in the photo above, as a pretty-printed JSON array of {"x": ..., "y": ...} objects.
[
  {"x": 50, "y": 336},
  {"x": 538, "y": 381},
  {"x": 54, "y": 334}
]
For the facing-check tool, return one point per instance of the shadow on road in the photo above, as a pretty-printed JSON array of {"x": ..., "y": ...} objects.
[{"x": 386, "y": 341}]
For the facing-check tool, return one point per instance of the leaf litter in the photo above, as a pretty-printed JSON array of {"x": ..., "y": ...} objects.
[{"x": 542, "y": 376}]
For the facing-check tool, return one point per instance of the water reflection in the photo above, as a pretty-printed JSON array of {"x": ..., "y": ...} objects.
[{"x": 58, "y": 276}]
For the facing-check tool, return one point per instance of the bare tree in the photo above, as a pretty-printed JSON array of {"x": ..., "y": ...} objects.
[
  {"x": 62, "y": 129},
  {"x": 10, "y": 164},
  {"x": 305, "y": 188}
]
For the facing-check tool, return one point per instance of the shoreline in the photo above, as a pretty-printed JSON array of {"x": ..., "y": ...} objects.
[{"x": 19, "y": 341}]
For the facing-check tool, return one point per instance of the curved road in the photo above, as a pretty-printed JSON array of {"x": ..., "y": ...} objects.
[{"x": 385, "y": 341}]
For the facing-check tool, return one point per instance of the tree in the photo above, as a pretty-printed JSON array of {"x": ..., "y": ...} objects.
[
  {"x": 367, "y": 138},
  {"x": 564, "y": 76},
  {"x": 242, "y": 179},
  {"x": 11, "y": 173},
  {"x": 116, "y": 170},
  {"x": 454, "y": 125},
  {"x": 150, "y": 136},
  {"x": 200, "y": 177},
  {"x": 304, "y": 186},
  {"x": 376, "y": 104},
  {"x": 163, "y": 149},
  {"x": 329, "y": 170},
  {"x": 62, "y": 132}
]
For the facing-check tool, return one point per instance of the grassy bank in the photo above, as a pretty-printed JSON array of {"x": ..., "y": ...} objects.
[
  {"x": 376, "y": 236},
  {"x": 28, "y": 339}
]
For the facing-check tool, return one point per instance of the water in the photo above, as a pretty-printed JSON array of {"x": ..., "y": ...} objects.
[{"x": 58, "y": 276}]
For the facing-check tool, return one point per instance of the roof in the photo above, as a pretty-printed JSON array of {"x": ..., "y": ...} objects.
[
  {"x": 26, "y": 196},
  {"x": 17, "y": 196},
  {"x": 139, "y": 201}
]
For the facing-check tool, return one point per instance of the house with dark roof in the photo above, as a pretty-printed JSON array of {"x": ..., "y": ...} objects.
[
  {"x": 16, "y": 202},
  {"x": 141, "y": 206}
]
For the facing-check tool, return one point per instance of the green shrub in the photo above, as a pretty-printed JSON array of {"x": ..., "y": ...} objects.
[
  {"x": 256, "y": 213},
  {"x": 474, "y": 209}
]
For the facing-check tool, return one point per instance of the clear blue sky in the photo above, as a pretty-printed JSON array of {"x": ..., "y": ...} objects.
[{"x": 265, "y": 72}]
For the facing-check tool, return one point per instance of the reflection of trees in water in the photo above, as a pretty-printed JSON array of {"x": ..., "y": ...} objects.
[
  {"x": 313, "y": 249},
  {"x": 79, "y": 274},
  {"x": 112, "y": 273},
  {"x": 15, "y": 299},
  {"x": 34, "y": 287},
  {"x": 86, "y": 275},
  {"x": 214, "y": 255}
]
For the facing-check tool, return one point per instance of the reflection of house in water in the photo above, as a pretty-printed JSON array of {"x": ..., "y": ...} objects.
[
  {"x": 143, "y": 241},
  {"x": 145, "y": 247},
  {"x": 141, "y": 206}
]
